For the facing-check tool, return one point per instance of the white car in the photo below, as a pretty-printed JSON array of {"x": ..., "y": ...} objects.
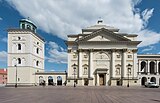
[{"x": 151, "y": 85}]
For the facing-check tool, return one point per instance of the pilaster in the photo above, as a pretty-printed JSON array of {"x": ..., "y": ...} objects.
[
  {"x": 90, "y": 73},
  {"x": 79, "y": 63},
  {"x": 97, "y": 79},
  {"x": 157, "y": 67},
  {"x": 112, "y": 73},
  {"x": 139, "y": 67},
  {"x": 148, "y": 67},
  {"x": 124, "y": 70},
  {"x": 135, "y": 63}
]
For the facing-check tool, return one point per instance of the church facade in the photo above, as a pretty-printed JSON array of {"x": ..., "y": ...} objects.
[{"x": 100, "y": 55}]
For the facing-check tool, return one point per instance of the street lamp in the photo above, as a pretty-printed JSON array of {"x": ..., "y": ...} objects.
[
  {"x": 128, "y": 79},
  {"x": 16, "y": 77},
  {"x": 66, "y": 78},
  {"x": 74, "y": 67},
  {"x": 129, "y": 67}
]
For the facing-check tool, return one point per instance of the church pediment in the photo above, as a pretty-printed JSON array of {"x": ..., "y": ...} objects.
[{"x": 103, "y": 35}]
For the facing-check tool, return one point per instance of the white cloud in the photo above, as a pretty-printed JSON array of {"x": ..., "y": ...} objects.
[
  {"x": 148, "y": 49},
  {"x": 57, "y": 54},
  {"x": 146, "y": 14},
  {"x": 63, "y": 17},
  {"x": 3, "y": 56},
  {"x": 148, "y": 37}
]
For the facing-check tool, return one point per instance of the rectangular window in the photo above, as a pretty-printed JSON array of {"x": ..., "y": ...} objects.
[
  {"x": 129, "y": 71},
  {"x": 118, "y": 56},
  {"x": 74, "y": 56},
  {"x": 85, "y": 56},
  {"x": 129, "y": 56},
  {"x": 118, "y": 71}
]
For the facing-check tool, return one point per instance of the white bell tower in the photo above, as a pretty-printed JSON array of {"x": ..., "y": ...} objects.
[{"x": 25, "y": 54}]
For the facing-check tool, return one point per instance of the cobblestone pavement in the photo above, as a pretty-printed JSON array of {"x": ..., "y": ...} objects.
[{"x": 80, "y": 95}]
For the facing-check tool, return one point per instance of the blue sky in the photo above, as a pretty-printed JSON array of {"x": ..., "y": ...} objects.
[{"x": 56, "y": 19}]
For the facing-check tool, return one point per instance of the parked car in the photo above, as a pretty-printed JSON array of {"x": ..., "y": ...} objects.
[{"x": 151, "y": 85}]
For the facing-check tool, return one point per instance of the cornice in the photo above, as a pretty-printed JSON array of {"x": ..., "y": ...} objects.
[
  {"x": 26, "y": 54},
  {"x": 13, "y": 30},
  {"x": 26, "y": 67},
  {"x": 110, "y": 42}
]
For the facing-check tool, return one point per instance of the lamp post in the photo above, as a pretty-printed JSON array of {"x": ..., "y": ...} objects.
[
  {"x": 128, "y": 79},
  {"x": 74, "y": 67},
  {"x": 66, "y": 78},
  {"x": 16, "y": 77}
]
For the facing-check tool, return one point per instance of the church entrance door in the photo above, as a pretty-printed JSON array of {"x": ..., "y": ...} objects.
[
  {"x": 101, "y": 79},
  {"x": 86, "y": 82}
]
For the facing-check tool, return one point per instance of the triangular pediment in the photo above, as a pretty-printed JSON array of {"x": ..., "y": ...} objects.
[{"x": 103, "y": 35}]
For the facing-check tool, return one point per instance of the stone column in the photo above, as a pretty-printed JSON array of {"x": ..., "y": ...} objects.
[
  {"x": 157, "y": 68},
  {"x": 123, "y": 62},
  {"x": 135, "y": 63},
  {"x": 112, "y": 71},
  {"x": 148, "y": 69},
  {"x": 139, "y": 67},
  {"x": 97, "y": 79},
  {"x": 79, "y": 63},
  {"x": 90, "y": 73}
]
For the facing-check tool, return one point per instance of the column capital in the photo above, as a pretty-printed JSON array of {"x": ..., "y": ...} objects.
[
  {"x": 124, "y": 50},
  {"x": 79, "y": 50},
  {"x": 134, "y": 50},
  {"x": 69, "y": 50},
  {"x": 114, "y": 50},
  {"x": 91, "y": 50}
]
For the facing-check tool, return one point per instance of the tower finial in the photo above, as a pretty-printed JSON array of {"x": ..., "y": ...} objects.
[{"x": 28, "y": 18}]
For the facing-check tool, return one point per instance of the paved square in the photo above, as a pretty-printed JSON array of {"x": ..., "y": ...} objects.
[{"x": 80, "y": 95}]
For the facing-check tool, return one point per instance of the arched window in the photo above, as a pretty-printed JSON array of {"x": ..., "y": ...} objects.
[
  {"x": 153, "y": 79},
  {"x": 59, "y": 80},
  {"x": 129, "y": 71},
  {"x": 118, "y": 71},
  {"x": 41, "y": 80},
  {"x": 19, "y": 47},
  {"x": 23, "y": 26},
  {"x": 143, "y": 80},
  {"x": 29, "y": 27},
  {"x": 152, "y": 66},
  {"x": 19, "y": 38},
  {"x": 143, "y": 65},
  {"x": 37, "y": 63},
  {"x": 74, "y": 70},
  {"x": 19, "y": 60},
  {"x": 37, "y": 50}
]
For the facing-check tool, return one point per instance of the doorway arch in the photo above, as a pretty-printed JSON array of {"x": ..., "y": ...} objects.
[
  {"x": 50, "y": 80},
  {"x": 41, "y": 80},
  {"x": 153, "y": 79},
  {"x": 143, "y": 80},
  {"x": 59, "y": 80}
]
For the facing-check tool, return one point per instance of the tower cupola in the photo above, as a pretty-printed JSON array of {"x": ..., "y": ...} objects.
[{"x": 27, "y": 24}]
